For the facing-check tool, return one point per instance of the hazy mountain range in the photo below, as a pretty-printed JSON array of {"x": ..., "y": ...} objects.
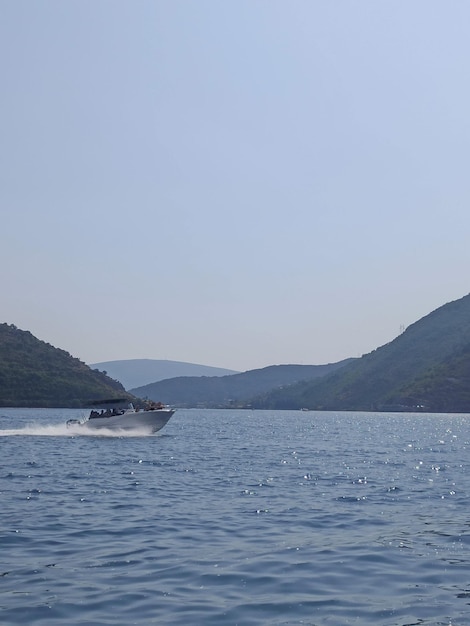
[
  {"x": 233, "y": 390},
  {"x": 138, "y": 372},
  {"x": 425, "y": 368}
]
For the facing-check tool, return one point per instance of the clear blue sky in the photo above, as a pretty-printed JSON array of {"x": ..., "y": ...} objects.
[{"x": 236, "y": 183}]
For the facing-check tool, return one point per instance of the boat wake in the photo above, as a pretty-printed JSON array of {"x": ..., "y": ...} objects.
[{"x": 61, "y": 430}]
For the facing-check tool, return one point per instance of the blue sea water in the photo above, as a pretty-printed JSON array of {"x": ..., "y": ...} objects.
[{"x": 236, "y": 517}]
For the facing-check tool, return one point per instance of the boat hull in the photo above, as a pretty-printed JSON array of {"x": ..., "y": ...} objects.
[{"x": 151, "y": 421}]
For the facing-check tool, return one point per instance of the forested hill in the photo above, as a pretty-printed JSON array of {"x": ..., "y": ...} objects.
[
  {"x": 35, "y": 374},
  {"x": 427, "y": 367},
  {"x": 233, "y": 390}
]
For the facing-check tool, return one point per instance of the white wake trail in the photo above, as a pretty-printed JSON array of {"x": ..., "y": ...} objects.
[{"x": 61, "y": 430}]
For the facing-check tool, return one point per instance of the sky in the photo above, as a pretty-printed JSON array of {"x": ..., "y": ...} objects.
[{"x": 235, "y": 183}]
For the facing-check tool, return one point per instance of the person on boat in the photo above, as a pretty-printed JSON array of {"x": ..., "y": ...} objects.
[{"x": 154, "y": 406}]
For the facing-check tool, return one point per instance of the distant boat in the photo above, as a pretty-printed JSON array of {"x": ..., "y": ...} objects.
[{"x": 150, "y": 419}]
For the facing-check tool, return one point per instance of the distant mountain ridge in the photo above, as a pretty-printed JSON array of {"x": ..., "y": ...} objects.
[
  {"x": 233, "y": 390},
  {"x": 138, "y": 372}
]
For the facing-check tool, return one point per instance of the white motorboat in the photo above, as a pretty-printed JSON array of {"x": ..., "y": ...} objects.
[{"x": 150, "y": 419}]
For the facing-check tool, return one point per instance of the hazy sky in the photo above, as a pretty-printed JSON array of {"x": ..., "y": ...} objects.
[{"x": 237, "y": 183}]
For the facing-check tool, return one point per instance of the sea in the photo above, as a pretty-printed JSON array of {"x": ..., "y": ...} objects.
[{"x": 230, "y": 517}]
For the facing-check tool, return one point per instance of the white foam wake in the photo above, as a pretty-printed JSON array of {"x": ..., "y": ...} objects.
[{"x": 61, "y": 430}]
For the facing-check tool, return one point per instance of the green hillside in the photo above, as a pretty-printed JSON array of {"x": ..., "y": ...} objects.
[
  {"x": 427, "y": 365},
  {"x": 443, "y": 388},
  {"x": 35, "y": 374}
]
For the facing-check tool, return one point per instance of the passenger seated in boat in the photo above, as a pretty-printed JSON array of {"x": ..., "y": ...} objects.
[{"x": 154, "y": 406}]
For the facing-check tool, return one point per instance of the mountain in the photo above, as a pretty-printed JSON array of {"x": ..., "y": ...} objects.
[
  {"x": 138, "y": 372},
  {"x": 426, "y": 367},
  {"x": 35, "y": 374},
  {"x": 191, "y": 391}
]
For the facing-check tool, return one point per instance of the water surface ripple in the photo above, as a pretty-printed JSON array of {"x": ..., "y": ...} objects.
[{"x": 236, "y": 517}]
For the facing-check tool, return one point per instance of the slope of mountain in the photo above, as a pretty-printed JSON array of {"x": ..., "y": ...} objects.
[
  {"x": 409, "y": 369},
  {"x": 230, "y": 390},
  {"x": 35, "y": 374},
  {"x": 139, "y": 372}
]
